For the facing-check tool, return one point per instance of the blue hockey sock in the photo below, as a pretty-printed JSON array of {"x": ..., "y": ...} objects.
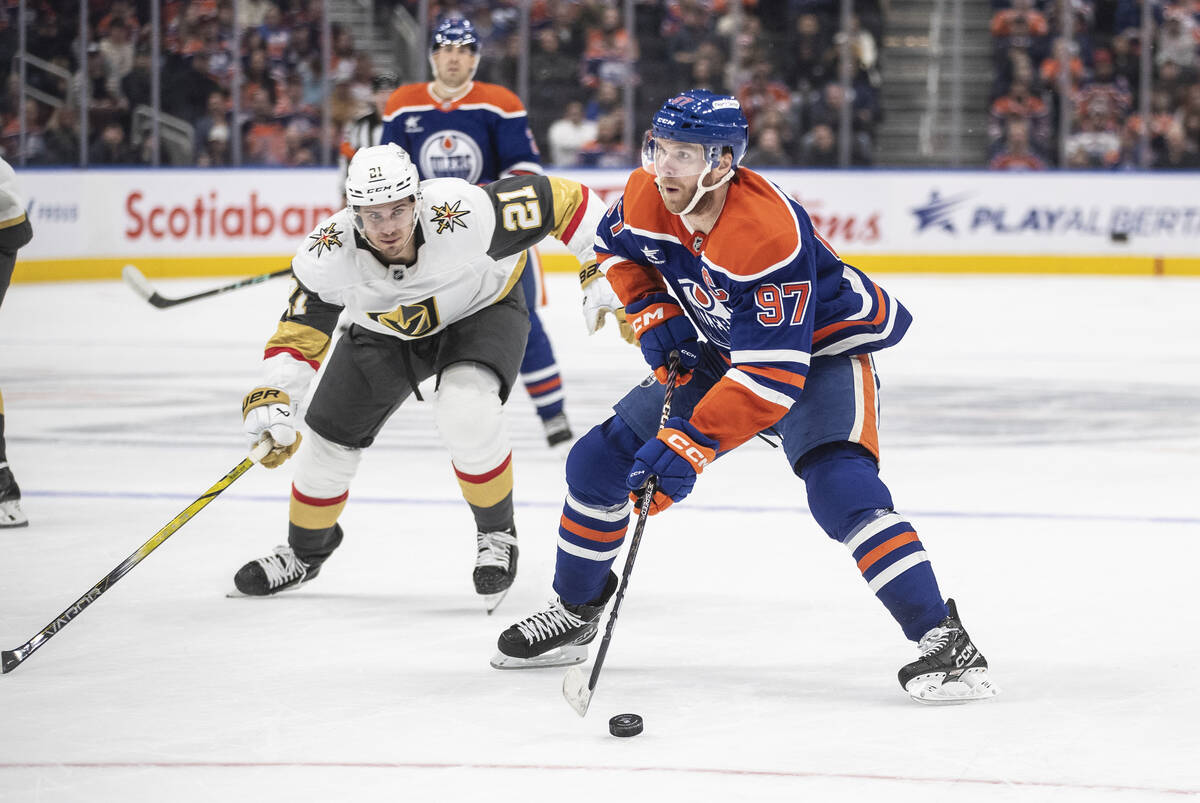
[
  {"x": 539, "y": 369},
  {"x": 595, "y": 514},
  {"x": 854, "y": 507}
]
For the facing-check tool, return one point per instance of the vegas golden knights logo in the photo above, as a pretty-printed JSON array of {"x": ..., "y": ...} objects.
[{"x": 410, "y": 320}]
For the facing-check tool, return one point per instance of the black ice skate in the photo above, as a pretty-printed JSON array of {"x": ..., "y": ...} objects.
[
  {"x": 951, "y": 668},
  {"x": 558, "y": 429},
  {"x": 279, "y": 571},
  {"x": 10, "y": 500},
  {"x": 557, "y": 636},
  {"x": 495, "y": 565}
]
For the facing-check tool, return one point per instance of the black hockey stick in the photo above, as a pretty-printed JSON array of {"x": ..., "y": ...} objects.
[
  {"x": 141, "y": 285},
  {"x": 576, "y": 688},
  {"x": 11, "y": 659}
]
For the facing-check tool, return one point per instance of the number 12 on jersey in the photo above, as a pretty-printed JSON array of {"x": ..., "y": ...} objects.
[{"x": 774, "y": 301}]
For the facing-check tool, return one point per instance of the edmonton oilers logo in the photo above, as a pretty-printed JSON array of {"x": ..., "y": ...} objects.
[{"x": 451, "y": 154}]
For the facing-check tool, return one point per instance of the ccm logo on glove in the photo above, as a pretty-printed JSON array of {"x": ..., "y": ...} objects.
[
  {"x": 694, "y": 454},
  {"x": 651, "y": 316},
  {"x": 676, "y": 456},
  {"x": 662, "y": 329}
]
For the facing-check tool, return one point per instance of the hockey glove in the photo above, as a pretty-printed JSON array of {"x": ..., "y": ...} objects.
[
  {"x": 599, "y": 298},
  {"x": 661, "y": 327},
  {"x": 267, "y": 413},
  {"x": 676, "y": 456}
]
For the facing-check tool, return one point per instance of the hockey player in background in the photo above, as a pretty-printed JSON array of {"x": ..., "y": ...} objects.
[
  {"x": 428, "y": 273},
  {"x": 367, "y": 130},
  {"x": 456, "y": 126},
  {"x": 698, "y": 245},
  {"x": 15, "y": 233}
]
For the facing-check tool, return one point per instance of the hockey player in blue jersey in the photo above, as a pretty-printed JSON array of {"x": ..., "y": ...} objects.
[
  {"x": 457, "y": 127},
  {"x": 774, "y": 334}
]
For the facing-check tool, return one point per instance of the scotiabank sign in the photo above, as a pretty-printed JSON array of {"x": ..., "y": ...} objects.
[
  {"x": 214, "y": 217},
  {"x": 129, "y": 213},
  {"x": 107, "y": 214}
]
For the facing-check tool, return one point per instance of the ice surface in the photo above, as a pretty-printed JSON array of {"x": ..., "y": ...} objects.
[{"x": 1042, "y": 434}]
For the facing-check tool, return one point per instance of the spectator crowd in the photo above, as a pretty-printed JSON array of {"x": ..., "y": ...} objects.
[
  {"x": 1097, "y": 60},
  {"x": 780, "y": 58},
  {"x": 580, "y": 57},
  {"x": 280, "y": 89}
]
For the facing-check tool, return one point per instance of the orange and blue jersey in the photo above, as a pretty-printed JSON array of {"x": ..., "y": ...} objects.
[
  {"x": 480, "y": 136},
  {"x": 761, "y": 286}
]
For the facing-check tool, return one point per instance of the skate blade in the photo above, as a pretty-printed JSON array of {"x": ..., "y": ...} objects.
[
  {"x": 562, "y": 656},
  {"x": 492, "y": 601},
  {"x": 972, "y": 685},
  {"x": 235, "y": 594}
]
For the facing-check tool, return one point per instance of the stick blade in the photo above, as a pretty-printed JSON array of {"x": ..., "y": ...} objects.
[
  {"x": 8, "y": 661},
  {"x": 576, "y": 691},
  {"x": 138, "y": 282}
]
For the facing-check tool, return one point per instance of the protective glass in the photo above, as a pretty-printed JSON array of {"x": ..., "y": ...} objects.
[{"x": 668, "y": 158}]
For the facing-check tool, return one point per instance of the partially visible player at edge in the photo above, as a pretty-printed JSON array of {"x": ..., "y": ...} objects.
[
  {"x": 427, "y": 273},
  {"x": 15, "y": 233},
  {"x": 698, "y": 243},
  {"x": 367, "y": 129},
  {"x": 456, "y": 126}
]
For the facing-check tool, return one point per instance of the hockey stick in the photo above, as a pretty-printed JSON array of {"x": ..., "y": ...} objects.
[
  {"x": 576, "y": 688},
  {"x": 141, "y": 285},
  {"x": 11, "y": 659}
]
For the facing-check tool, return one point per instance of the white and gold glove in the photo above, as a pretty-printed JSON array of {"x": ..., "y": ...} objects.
[
  {"x": 598, "y": 299},
  {"x": 267, "y": 413}
]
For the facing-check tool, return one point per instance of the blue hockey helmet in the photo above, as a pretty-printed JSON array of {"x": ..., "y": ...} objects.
[
  {"x": 454, "y": 32},
  {"x": 705, "y": 118}
]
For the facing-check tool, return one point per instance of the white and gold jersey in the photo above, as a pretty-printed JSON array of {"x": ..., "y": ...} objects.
[
  {"x": 453, "y": 275},
  {"x": 12, "y": 208},
  {"x": 471, "y": 251}
]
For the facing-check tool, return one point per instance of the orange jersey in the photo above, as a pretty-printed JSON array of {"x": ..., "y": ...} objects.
[{"x": 761, "y": 286}]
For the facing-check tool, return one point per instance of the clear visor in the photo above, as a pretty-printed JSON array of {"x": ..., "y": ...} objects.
[
  {"x": 668, "y": 158},
  {"x": 384, "y": 224}
]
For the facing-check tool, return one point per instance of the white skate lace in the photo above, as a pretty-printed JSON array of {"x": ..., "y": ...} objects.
[
  {"x": 935, "y": 639},
  {"x": 494, "y": 549},
  {"x": 548, "y": 623},
  {"x": 282, "y": 567}
]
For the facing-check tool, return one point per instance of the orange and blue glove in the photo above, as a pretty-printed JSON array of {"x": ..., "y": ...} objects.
[
  {"x": 661, "y": 327},
  {"x": 676, "y": 456}
]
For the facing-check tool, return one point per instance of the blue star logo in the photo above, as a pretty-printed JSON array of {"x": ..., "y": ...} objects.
[{"x": 937, "y": 211}]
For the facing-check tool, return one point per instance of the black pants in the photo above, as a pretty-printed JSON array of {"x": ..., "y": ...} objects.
[
  {"x": 370, "y": 375},
  {"x": 11, "y": 239}
]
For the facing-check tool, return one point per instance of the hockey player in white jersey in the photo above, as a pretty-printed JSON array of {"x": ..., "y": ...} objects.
[
  {"x": 15, "y": 233},
  {"x": 428, "y": 274}
]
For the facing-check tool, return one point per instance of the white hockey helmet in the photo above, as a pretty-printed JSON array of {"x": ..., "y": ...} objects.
[{"x": 378, "y": 175}]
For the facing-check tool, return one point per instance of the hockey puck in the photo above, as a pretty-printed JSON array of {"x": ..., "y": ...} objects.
[{"x": 625, "y": 725}]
